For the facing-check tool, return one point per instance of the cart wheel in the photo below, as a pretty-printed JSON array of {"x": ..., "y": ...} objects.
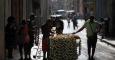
[{"x": 80, "y": 47}]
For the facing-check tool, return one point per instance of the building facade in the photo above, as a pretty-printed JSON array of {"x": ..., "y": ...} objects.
[
  {"x": 2, "y": 24},
  {"x": 105, "y": 9},
  {"x": 89, "y": 7}
]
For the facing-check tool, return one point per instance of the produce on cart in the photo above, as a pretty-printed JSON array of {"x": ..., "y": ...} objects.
[{"x": 64, "y": 47}]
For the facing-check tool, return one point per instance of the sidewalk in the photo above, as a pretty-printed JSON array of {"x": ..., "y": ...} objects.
[{"x": 110, "y": 41}]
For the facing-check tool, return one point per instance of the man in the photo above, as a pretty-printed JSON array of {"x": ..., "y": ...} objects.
[
  {"x": 28, "y": 27},
  {"x": 74, "y": 19},
  {"x": 59, "y": 25},
  {"x": 46, "y": 30},
  {"x": 92, "y": 28},
  {"x": 20, "y": 39}
]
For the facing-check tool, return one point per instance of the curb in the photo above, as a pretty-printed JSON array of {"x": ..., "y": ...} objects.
[{"x": 108, "y": 43}]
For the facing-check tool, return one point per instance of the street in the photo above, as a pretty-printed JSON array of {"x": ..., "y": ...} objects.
[{"x": 103, "y": 51}]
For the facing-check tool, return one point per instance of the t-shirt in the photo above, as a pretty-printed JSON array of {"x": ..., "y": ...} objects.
[{"x": 91, "y": 27}]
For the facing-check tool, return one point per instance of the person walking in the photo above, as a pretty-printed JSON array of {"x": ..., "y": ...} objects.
[
  {"x": 46, "y": 30},
  {"x": 68, "y": 19},
  {"x": 102, "y": 30},
  {"x": 30, "y": 29},
  {"x": 59, "y": 25},
  {"x": 92, "y": 28},
  {"x": 10, "y": 36},
  {"x": 26, "y": 41},
  {"x": 20, "y": 39},
  {"x": 74, "y": 19}
]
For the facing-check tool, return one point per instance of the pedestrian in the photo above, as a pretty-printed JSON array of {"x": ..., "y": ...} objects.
[
  {"x": 92, "y": 28},
  {"x": 68, "y": 19},
  {"x": 74, "y": 19},
  {"x": 31, "y": 25},
  {"x": 26, "y": 41},
  {"x": 10, "y": 36},
  {"x": 46, "y": 30},
  {"x": 20, "y": 39},
  {"x": 59, "y": 25},
  {"x": 29, "y": 36},
  {"x": 107, "y": 21},
  {"x": 102, "y": 30}
]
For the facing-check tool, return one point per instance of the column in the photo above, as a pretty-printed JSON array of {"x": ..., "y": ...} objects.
[
  {"x": 2, "y": 20},
  {"x": 24, "y": 9},
  {"x": 21, "y": 10},
  {"x": 15, "y": 9},
  {"x": 7, "y": 10},
  {"x": 81, "y": 7},
  {"x": 29, "y": 8}
]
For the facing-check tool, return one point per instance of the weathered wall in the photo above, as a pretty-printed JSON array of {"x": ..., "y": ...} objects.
[{"x": 2, "y": 14}]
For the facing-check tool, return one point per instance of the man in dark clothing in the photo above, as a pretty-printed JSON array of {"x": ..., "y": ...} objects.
[
  {"x": 59, "y": 26},
  {"x": 46, "y": 30},
  {"x": 20, "y": 39},
  {"x": 107, "y": 20},
  {"x": 30, "y": 32},
  {"x": 31, "y": 29},
  {"x": 10, "y": 35},
  {"x": 25, "y": 40},
  {"x": 74, "y": 19}
]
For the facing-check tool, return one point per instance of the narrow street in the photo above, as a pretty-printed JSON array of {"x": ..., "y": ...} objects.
[
  {"x": 103, "y": 51},
  {"x": 21, "y": 22}
]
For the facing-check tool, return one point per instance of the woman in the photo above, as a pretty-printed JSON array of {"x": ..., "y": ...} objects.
[{"x": 10, "y": 36}]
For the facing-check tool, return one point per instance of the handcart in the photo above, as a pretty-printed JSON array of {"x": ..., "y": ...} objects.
[{"x": 65, "y": 47}]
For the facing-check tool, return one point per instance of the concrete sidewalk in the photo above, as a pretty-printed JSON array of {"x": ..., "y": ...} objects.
[{"x": 110, "y": 41}]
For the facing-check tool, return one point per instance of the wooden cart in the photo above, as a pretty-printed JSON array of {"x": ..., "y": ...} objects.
[{"x": 65, "y": 47}]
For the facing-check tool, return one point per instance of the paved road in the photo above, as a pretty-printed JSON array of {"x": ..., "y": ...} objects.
[{"x": 103, "y": 51}]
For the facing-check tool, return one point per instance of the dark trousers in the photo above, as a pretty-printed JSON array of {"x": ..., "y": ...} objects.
[
  {"x": 21, "y": 50},
  {"x": 74, "y": 23},
  {"x": 10, "y": 51},
  {"x": 27, "y": 50},
  {"x": 91, "y": 44}
]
